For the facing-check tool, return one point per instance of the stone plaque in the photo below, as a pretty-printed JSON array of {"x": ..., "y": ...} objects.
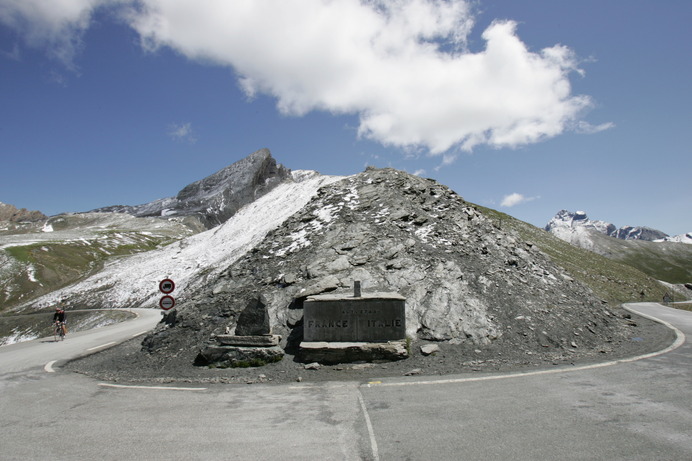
[{"x": 370, "y": 318}]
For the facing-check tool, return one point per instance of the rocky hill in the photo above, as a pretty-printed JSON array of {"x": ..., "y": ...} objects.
[
  {"x": 467, "y": 282},
  {"x": 477, "y": 283},
  {"x": 219, "y": 196}
]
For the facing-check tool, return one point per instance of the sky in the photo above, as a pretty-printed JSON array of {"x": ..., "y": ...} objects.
[{"x": 526, "y": 107}]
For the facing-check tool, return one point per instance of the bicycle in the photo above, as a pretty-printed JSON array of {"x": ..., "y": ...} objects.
[{"x": 59, "y": 331}]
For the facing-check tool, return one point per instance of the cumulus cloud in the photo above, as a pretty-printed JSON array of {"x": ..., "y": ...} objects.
[
  {"x": 515, "y": 199},
  {"x": 402, "y": 66}
]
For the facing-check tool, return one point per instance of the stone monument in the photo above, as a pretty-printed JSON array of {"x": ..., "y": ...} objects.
[
  {"x": 251, "y": 345},
  {"x": 366, "y": 326}
]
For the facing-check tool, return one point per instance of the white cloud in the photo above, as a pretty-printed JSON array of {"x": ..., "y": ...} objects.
[
  {"x": 584, "y": 127},
  {"x": 182, "y": 132},
  {"x": 57, "y": 25},
  {"x": 515, "y": 199},
  {"x": 402, "y": 66}
]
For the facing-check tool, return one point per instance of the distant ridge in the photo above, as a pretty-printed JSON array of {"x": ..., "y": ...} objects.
[
  {"x": 567, "y": 222},
  {"x": 216, "y": 198},
  {"x": 13, "y": 214}
]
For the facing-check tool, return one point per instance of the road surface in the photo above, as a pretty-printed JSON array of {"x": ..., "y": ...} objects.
[
  {"x": 627, "y": 410},
  {"x": 39, "y": 352}
]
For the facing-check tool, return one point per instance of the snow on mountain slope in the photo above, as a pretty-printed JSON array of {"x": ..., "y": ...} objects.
[
  {"x": 575, "y": 228},
  {"x": 133, "y": 281},
  {"x": 682, "y": 238}
]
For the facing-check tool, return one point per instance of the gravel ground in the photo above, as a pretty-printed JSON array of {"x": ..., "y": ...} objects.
[{"x": 127, "y": 363}]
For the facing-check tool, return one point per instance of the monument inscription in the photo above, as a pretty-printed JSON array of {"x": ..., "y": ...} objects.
[{"x": 369, "y": 318}]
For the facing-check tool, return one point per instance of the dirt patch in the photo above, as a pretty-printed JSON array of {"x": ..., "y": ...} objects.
[{"x": 127, "y": 364}]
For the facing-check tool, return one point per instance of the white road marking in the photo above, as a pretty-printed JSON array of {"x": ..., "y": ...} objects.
[
  {"x": 101, "y": 346},
  {"x": 371, "y": 431},
  {"x": 49, "y": 366},
  {"x": 157, "y": 388},
  {"x": 140, "y": 333},
  {"x": 679, "y": 341}
]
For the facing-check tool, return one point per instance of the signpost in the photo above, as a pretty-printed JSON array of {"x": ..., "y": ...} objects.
[
  {"x": 166, "y": 286},
  {"x": 167, "y": 302}
]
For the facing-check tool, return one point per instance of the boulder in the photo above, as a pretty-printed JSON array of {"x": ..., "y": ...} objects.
[
  {"x": 254, "y": 320},
  {"x": 428, "y": 349}
]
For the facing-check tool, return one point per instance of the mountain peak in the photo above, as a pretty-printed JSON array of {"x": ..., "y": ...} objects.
[
  {"x": 566, "y": 222},
  {"x": 13, "y": 214},
  {"x": 219, "y": 196}
]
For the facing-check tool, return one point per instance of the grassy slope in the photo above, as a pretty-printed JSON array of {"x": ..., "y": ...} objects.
[
  {"x": 670, "y": 262},
  {"x": 611, "y": 280},
  {"x": 45, "y": 267}
]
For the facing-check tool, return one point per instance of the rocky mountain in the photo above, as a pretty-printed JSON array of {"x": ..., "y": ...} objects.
[
  {"x": 192, "y": 261},
  {"x": 471, "y": 280},
  {"x": 216, "y": 198},
  {"x": 645, "y": 249},
  {"x": 466, "y": 281},
  {"x": 569, "y": 225},
  {"x": 39, "y": 254},
  {"x": 11, "y": 214}
]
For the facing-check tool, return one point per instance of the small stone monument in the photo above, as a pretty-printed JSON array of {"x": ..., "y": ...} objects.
[
  {"x": 339, "y": 328},
  {"x": 251, "y": 345}
]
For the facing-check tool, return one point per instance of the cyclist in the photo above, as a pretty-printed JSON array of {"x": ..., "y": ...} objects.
[{"x": 60, "y": 318}]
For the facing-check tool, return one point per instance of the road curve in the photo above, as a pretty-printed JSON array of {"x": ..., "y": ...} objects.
[
  {"x": 40, "y": 352},
  {"x": 632, "y": 409},
  {"x": 629, "y": 410}
]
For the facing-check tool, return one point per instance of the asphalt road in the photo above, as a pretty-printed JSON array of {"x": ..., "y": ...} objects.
[
  {"x": 633, "y": 410},
  {"x": 24, "y": 356}
]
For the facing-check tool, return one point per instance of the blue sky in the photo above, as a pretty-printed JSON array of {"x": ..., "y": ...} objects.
[{"x": 526, "y": 107}]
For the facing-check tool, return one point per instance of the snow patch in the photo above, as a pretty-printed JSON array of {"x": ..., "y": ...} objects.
[
  {"x": 682, "y": 238},
  {"x": 132, "y": 281},
  {"x": 17, "y": 337}
]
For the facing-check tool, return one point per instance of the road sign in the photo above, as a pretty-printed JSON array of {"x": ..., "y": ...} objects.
[
  {"x": 167, "y": 302},
  {"x": 166, "y": 286}
]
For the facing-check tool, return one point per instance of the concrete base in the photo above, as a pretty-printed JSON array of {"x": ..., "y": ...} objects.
[
  {"x": 241, "y": 351},
  {"x": 259, "y": 340},
  {"x": 331, "y": 353},
  {"x": 239, "y": 356}
]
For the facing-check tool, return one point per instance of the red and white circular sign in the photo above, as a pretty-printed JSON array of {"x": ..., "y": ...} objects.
[
  {"x": 166, "y": 286},
  {"x": 167, "y": 302}
]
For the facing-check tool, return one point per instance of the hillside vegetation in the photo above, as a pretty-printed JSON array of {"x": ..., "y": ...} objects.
[
  {"x": 39, "y": 258},
  {"x": 613, "y": 281}
]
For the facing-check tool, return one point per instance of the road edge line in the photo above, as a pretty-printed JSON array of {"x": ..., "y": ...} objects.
[
  {"x": 679, "y": 341},
  {"x": 368, "y": 424},
  {"x": 679, "y": 336},
  {"x": 156, "y": 388}
]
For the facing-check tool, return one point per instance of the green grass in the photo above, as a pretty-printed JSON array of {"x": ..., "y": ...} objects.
[
  {"x": 58, "y": 264},
  {"x": 611, "y": 280}
]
